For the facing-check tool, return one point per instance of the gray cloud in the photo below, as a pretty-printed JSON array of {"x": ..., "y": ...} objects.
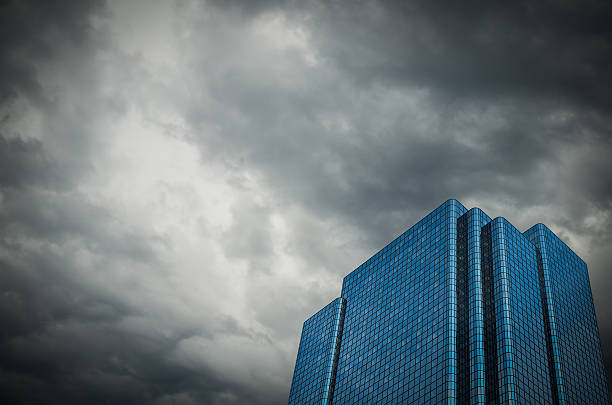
[{"x": 181, "y": 185}]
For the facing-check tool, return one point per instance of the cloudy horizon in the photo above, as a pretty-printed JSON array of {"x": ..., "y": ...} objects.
[{"x": 183, "y": 183}]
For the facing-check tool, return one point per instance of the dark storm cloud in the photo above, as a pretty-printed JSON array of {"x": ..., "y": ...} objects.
[
  {"x": 544, "y": 49},
  {"x": 353, "y": 131},
  {"x": 530, "y": 59},
  {"x": 63, "y": 339},
  {"x": 24, "y": 162},
  {"x": 31, "y": 31},
  {"x": 248, "y": 237}
]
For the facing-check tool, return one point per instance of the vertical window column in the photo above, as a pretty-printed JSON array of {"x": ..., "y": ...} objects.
[
  {"x": 330, "y": 378},
  {"x": 504, "y": 333},
  {"x": 475, "y": 221}
]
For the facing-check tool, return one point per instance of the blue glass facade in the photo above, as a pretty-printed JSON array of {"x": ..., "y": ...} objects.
[
  {"x": 400, "y": 324},
  {"x": 519, "y": 330},
  {"x": 458, "y": 309},
  {"x": 315, "y": 368},
  {"x": 577, "y": 368},
  {"x": 471, "y": 386}
]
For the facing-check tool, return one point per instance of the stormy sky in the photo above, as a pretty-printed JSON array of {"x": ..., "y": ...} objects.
[{"x": 183, "y": 183}]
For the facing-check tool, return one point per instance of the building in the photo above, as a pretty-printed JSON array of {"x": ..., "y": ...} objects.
[{"x": 459, "y": 309}]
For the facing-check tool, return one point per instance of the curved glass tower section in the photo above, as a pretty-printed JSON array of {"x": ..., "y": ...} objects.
[
  {"x": 574, "y": 349},
  {"x": 459, "y": 309}
]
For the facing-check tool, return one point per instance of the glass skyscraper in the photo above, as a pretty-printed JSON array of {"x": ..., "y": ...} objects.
[{"x": 459, "y": 309}]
